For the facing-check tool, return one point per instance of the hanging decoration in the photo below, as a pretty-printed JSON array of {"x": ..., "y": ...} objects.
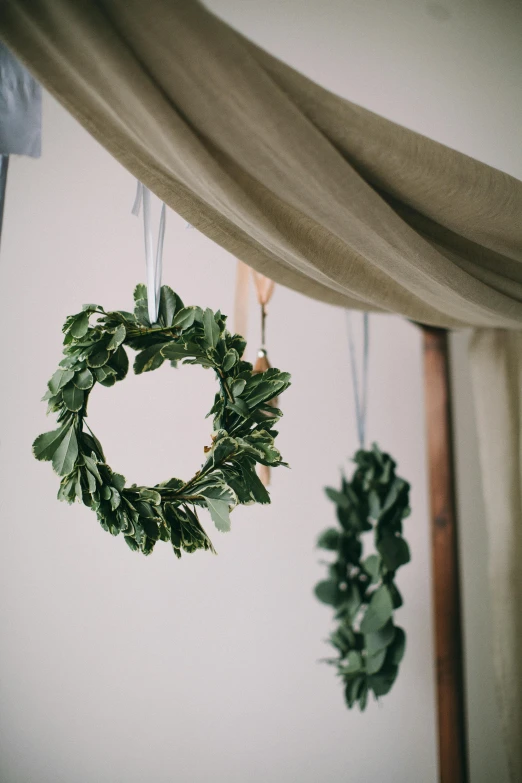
[
  {"x": 264, "y": 292},
  {"x": 243, "y": 436},
  {"x": 362, "y": 589}
]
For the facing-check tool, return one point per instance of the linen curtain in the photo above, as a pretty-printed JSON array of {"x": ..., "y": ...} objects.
[{"x": 313, "y": 191}]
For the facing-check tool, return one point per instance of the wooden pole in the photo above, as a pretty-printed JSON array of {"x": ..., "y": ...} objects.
[{"x": 453, "y": 764}]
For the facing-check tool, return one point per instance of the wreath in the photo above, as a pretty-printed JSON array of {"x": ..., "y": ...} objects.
[
  {"x": 243, "y": 423},
  {"x": 363, "y": 592}
]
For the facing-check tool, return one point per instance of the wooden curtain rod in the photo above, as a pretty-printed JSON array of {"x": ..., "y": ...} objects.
[{"x": 451, "y": 708}]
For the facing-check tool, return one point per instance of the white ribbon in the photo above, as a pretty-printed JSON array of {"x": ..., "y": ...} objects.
[
  {"x": 360, "y": 395},
  {"x": 154, "y": 265}
]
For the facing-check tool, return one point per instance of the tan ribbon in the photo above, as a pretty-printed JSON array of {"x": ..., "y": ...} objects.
[{"x": 264, "y": 291}]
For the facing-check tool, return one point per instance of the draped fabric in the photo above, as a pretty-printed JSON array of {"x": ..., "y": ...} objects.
[
  {"x": 307, "y": 188},
  {"x": 496, "y": 365}
]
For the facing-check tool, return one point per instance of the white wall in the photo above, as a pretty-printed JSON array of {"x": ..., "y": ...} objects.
[{"x": 115, "y": 667}]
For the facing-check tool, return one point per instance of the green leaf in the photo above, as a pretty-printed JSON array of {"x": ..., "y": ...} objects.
[
  {"x": 380, "y": 639},
  {"x": 83, "y": 379},
  {"x": 210, "y": 328},
  {"x": 353, "y": 663},
  {"x": 140, "y": 292},
  {"x": 67, "y": 490},
  {"x": 80, "y": 325},
  {"x": 91, "y": 482},
  {"x": 98, "y": 357},
  {"x": 131, "y": 543},
  {"x": 374, "y": 504},
  {"x": 141, "y": 313},
  {"x": 239, "y": 407},
  {"x": 149, "y": 359},
  {"x": 397, "y": 649},
  {"x": 382, "y": 682},
  {"x": 169, "y": 304},
  {"x": 219, "y": 511},
  {"x": 173, "y": 483},
  {"x": 60, "y": 379},
  {"x": 46, "y": 445},
  {"x": 92, "y": 444},
  {"x": 104, "y": 374},
  {"x": 328, "y": 592},
  {"x": 174, "y": 351},
  {"x": 150, "y": 526},
  {"x": 217, "y": 490},
  {"x": 115, "y": 499},
  {"x": 363, "y": 697},
  {"x": 223, "y": 449},
  {"x": 184, "y": 318},
  {"x": 375, "y": 661},
  {"x": 393, "y": 495},
  {"x": 329, "y": 539},
  {"x": 55, "y": 402},
  {"x": 372, "y": 566},
  {"x": 394, "y": 551},
  {"x": 230, "y": 359},
  {"x": 117, "y": 338},
  {"x": 150, "y": 495},
  {"x": 237, "y": 387},
  {"x": 337, "y": 497},
  {"x": 378, "y": 612},
  {"x": 353, "y": 689},
  {"x": 145, "y": 509},
  {"x": 119, "y": 361},
  {"x": 73, "y": 397},
  {"x": 396, "y": 596},
  {"x": 65, "y": 455},
  {"x": 353, "y": 600},
  {"x": 343, "y": 639},
  {"x": 92, "y": 467},
  {"x": 118, "y": 481}
]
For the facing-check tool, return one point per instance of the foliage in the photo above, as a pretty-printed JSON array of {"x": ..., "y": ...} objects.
[
  {"x": 363, "y": 592},
  {"x": 243, "y": 422}
]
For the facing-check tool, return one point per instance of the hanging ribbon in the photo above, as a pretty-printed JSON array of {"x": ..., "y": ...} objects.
[
  {"x": 241, "y": 299},
  {"x": 264, "y": 292},
  {"x": 360, "y": 393},
  {"x": 154, "y": 264}
]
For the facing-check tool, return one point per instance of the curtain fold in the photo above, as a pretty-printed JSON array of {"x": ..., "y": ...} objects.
[
  {"x": 496, "y": 366},
  {"x": 314, "y": 192},
  {"x": 310, "y": 190}
]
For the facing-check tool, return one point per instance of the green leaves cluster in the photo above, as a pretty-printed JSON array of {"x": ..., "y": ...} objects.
[
  {"x": 243, "y": 422},
  {"x": 363, "y": 592}
]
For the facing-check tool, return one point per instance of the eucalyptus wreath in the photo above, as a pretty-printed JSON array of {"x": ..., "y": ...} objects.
[
  {"x": 243, "y": 422},
  {"x": 363, "y": 592}
]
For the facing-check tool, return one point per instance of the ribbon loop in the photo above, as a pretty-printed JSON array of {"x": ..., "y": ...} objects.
[{"x": 154, "y": 265}]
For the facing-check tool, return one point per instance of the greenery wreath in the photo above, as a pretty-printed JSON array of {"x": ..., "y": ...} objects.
[
  {"x": 363, "y": 591},
  {"x": 243, "y": 424}
]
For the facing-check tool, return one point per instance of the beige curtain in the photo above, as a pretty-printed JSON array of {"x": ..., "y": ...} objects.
[
  {"x": 309, "y": 189},
  {"x": 496, "y": 364}
]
